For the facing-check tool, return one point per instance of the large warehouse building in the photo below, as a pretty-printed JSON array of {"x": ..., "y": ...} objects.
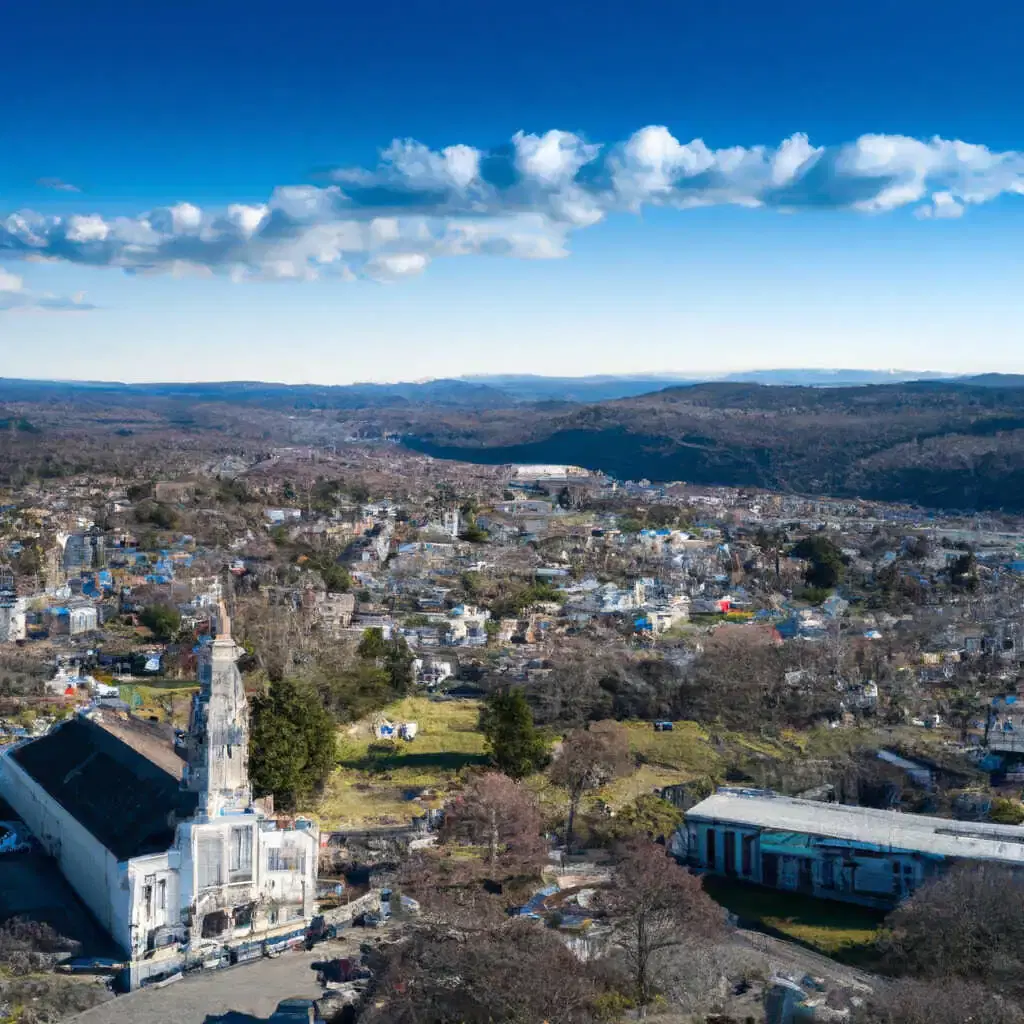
[{"x": 834, "y": 851}]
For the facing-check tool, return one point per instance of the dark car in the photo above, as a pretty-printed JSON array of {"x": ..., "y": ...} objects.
[
  {"x": 295, "y": 1011},
  {"x": 92, "y": 965}
]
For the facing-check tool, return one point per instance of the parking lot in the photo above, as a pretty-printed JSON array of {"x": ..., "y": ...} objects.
[{"x": 239, "y": 995}]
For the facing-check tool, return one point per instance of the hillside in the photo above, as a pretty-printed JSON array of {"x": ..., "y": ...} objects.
[
  {"x": 940, "y": 444},
  {"x": 936, "y": 443}
]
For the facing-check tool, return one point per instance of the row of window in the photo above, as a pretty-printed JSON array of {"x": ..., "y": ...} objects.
[{"x": 209, "y": 857}]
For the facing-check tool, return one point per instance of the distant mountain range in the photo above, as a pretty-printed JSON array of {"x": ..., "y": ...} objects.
[
  {"x": 479, "y": 392},
  {"x": 931, "y": 440},
  {"x": 601, "y": 388}
]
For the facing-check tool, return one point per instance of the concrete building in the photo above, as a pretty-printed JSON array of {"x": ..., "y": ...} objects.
[
  {"x": 452, "y": 523},
  {"x": 8, "y": 605},
  {"x": 86, "y": 550},
  {"x": 73, "y": 619},
  {"x": 334, "y": 612},
  {"x": 834, "y": 851},
  {"x": 176, "y": 869}
]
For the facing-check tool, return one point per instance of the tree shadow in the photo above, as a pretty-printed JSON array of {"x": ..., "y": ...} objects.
[
  {"x": 446, "y": 762},
  {"x": 232, "y": 1017}
]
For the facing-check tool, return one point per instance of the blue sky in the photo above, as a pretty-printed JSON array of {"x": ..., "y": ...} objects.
[{"x": 197, "y": 190}]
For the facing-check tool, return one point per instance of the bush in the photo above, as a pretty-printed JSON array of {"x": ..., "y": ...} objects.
[
  {"x": 1006, "y": 812},
  {"x": 162, "y": 620}
]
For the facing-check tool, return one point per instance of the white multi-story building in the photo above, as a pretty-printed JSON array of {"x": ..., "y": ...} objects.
[{"x": 177, "y": 869}]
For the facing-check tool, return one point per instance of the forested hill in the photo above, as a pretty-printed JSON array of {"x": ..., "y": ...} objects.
[{"x": 939, "y": 444}]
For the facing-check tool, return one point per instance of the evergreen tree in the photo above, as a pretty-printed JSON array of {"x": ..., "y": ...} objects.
[
  {"x": 515, "y": 745},
  {"x": 291, "y": 745}
]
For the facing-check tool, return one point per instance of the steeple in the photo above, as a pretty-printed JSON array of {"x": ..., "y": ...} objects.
[{"x": 218, "y": 736}]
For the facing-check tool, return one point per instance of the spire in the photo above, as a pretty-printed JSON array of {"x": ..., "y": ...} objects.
[
  {"x": 218, "y": 738},
  {"x": 223, "y": 621}
]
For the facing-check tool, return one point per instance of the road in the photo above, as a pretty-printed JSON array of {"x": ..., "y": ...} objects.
[{"x": 252, "y": 989}]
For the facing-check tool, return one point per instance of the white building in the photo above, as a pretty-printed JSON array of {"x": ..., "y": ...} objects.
[{"x": 175, "y": 871}]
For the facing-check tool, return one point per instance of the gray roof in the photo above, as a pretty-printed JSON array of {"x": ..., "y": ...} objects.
[
  {"x": 889, "y": 829},
  {"x": 127, "y": 802}
]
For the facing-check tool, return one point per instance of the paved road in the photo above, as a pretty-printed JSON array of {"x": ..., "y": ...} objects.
[{"x": 254, "y": 989}]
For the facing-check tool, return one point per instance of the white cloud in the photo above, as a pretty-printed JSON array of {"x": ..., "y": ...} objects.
[
  {"x": 57, "y": 185},
  {"x": 554, "y": 158},
  {"x": 10, "y": 282},
  {"x": 91, "y": 228},
  {"x": 399, "y": 264},
  {"x": 15, "y": 296},
  {"x": 522, "y": 200},
  {"x": 247, "y": 218},
  {"x": 943, "y": 206}
]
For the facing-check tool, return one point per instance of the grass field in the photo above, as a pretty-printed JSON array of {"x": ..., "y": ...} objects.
[
  {"x": 166, "y": 699},
  {"x": 384, "y": 783},
  {"x": 840, "y": 930}
]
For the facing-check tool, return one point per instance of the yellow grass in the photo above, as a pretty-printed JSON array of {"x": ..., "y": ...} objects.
[{"x": 388, "y": 783}]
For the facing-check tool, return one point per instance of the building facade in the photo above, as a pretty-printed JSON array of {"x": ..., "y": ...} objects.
[
  {"x": 176, "y": 870},
  {"x": 834, "y": 851}
]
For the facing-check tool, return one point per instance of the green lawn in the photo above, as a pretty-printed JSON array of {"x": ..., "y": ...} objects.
[
  {"x": 159, "y": 695},
  {"x": 382, "y": 783},
  {"x": 840, "y": 930}
]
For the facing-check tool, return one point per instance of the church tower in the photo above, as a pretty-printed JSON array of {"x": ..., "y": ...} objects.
[{"x": 218, "y": 735}]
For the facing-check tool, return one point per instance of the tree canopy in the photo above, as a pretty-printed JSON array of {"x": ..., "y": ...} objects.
[
  {"x": 163, "y": 620},
  {"x": 291, "y": 747},
  {"x": 515, "y": 745}
]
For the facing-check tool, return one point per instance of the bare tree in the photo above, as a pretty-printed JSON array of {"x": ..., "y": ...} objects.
[
  {"x": 656, "y": 907},
  {"x": 497, "y": 813},
  {"x": 969, "y": 924},
  {"x": 908, "y": 1001},
  {"x": 589, "y": 758},
  {"x": 515, "y": 973}
]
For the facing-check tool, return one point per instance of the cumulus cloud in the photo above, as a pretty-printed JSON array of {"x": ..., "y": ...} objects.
[
  {"x": 523, "y": 199},
  {"x": 391, "y": 266},
  {"x": 14, "y": 295}
]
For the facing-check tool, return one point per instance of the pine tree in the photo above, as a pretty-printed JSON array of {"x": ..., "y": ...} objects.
[{"x": 515, "y": 745}]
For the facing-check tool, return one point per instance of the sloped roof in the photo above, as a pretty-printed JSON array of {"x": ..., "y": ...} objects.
[{"x": 128, "y": 803}]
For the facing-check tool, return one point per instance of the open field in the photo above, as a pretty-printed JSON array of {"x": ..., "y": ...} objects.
[
  {"x": 388, "y": 782},
  {"x": 165, "y": 699}
]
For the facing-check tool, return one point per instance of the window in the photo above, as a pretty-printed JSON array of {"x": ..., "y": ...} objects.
[
  {"x": 711, "y": 858},
  {"x": 730, "y": 853},
  {"x": 161, "y": 894},
  {"x": 147, "y": 900},
  {"x": 286, "y": 858},
  {"x": 240, "y": 854},
  {"x": 748, "y": 856},
  {"x": 209, "y": 860}
]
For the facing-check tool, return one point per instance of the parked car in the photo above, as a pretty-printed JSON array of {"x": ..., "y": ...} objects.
[
  {"x": 92, "y": 965},
  {"x": 295, "y": 1011}
]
